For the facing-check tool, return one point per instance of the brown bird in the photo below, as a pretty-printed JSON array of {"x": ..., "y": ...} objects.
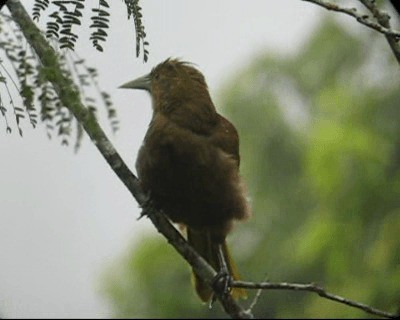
[{"x": 189, "y": 163}]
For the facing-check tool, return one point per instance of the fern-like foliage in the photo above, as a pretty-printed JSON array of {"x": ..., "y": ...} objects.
[
  {"x": 135, "y": 11},
  {"x": 66, "y": 15},
  {"x": 38, "y": 7},
  {"x": 100, "y": 22},
  {"x": 11, "y": 43},
  {"x": 22, "y": 73}
]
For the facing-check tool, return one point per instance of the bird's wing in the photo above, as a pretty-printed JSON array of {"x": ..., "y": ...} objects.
[{"x": 225, "y": 138}]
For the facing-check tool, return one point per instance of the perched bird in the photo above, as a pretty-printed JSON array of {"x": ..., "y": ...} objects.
[{"x": 189, "y": 163}]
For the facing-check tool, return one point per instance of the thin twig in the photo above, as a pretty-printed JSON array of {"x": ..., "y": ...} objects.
[
  {"x": 383, "y": 19},
  {"x": 362, "y": 18},
  {"x": 310, "y": 287},
  {"x": 257, "y": 296},
  {"x": 255, "y": 299}
]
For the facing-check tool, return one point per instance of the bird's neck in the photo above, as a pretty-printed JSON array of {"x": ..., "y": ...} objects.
[
  {"x": 199, "y": 121},
  {"x": 197, "y": 116}
]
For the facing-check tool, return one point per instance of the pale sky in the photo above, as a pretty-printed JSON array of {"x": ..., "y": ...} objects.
[{"x": 64, "y": 216}]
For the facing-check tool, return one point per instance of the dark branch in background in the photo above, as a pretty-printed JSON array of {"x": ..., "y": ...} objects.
[
  {"x": 363, "y": 19},
  {"x": 69, "y": 95},
  {"x": 383, "y": 19},
  {"x": 383, "y": 25},
  {"x": 396, "y": 5}
]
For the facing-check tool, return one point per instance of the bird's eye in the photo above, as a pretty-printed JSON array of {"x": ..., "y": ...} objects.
[{"x": 156, "y": 76}]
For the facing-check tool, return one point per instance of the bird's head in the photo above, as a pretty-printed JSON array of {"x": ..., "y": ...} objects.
[{"x": 171, "y": 84}]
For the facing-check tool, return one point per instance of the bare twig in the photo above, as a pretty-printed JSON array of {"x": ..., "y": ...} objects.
[
  {"x": 383, "y": 25},
  {"x": 257, "y": 296},
  {"x": 255, "y": 299},
  {"x": 312, "y": 288},
  {"x": 383, "y": 19},
  {"x": 363, "y": 19}
]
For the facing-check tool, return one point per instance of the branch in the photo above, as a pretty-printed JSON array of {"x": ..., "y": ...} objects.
[
  {"x": 363, "y": 19},
  {"x": 383, "y": 25},
  {"x": 70, "y": 98},
  {"x": 383, "y": 19},
  {"x": 396, "y": 5},
  {"x": 312, "y": 288}
]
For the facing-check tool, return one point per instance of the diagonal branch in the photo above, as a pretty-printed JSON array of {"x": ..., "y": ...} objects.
[
  {"x": 363, "y": 19},
  {"x": 383, "y": 25},
  {"x": 383, "y": 19},
  {"x": 313, "y": 288},
  {"x": 70, "y": 98}
]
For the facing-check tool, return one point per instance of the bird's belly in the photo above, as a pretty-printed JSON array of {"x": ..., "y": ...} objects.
[{"x": 191, "y": 182}]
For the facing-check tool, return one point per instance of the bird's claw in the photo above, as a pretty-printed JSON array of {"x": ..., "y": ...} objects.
[
  {"x": 222, "y": 281},
  {"x": 147, "y": 206}
]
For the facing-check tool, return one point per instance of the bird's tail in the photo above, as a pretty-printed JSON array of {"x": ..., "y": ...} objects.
[{"x": 202, "y": 243}]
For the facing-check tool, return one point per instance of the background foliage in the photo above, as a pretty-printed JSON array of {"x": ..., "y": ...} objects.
[
  {"x": 25, "y": 89},
  {"x": 321, "y": 156}
]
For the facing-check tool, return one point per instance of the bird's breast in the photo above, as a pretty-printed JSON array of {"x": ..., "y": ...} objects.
[
  {"x": 171, "y": 157},
  {"x": 191, "y": 179}
]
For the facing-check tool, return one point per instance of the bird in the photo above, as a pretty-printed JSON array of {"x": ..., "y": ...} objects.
[{"x": 189, "y": 164}]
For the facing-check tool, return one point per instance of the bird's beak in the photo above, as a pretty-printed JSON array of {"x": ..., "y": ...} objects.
[{"x": 143, "y": 83}]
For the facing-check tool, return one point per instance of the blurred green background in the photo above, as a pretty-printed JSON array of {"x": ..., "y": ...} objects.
[{"x": 320, "y": 146}]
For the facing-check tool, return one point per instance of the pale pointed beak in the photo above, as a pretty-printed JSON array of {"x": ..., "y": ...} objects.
[{"x": 143, "y": 83}]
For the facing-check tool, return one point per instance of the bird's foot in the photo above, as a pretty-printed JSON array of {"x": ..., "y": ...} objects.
[
  {"x": 222, "y": 281},
  {"x": 147, "y": 206},
  {"x": 221, "y": 284}
]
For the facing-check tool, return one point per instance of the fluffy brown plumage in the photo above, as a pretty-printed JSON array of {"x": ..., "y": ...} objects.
[{"x": 189, "y": 161}]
